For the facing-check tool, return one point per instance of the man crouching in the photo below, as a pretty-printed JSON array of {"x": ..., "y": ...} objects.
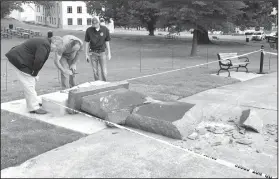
[{"x": 66, "y": 59}]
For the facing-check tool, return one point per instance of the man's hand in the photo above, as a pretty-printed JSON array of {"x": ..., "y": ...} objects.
[
  {"x": 73, "y": 67},
  {"x": 109, "y": 56},
  {"x": 87, "y": 58},
  {"x": 37, "y": 78},
  {"x": 68, "y": 72}
]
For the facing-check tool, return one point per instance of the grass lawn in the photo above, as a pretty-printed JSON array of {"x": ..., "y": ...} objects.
[
  {"x": 133, "y": 55},
  {"x": 23, "y": 138}
]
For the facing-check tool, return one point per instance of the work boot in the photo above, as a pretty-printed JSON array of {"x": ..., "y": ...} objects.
[{"x": 38, "y": 111}]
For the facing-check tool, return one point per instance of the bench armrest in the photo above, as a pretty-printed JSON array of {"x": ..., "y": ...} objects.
[
  {"x": 226, "y": 64},
  {"x": 247, "y": 59}
]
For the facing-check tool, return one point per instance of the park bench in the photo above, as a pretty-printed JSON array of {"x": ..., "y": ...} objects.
[
  {"x": 171, "y": 36},
  {"x": 215, "y": 38},
  {"x": 273, "y": 42},
  {"x": 5, "y": 35},
  {"x": 228, "y": 61}
]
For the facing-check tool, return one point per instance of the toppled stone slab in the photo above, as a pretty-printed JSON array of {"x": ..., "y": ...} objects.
[
  {"x": 114, "y": 105},
  {"x": 75, "y": 96},
  {"x": 172, "y": 119}
]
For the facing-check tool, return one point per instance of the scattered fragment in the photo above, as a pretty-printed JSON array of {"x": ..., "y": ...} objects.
[
  {"x": 254, "y": 122},
  {"x": 271, "y": 132},
  {"x": 114, "y": 132},
  {"x": 229, "y": 130},
  {"x": 218, "y": 131},
  {"x": 231, "y": 141},
  {"x": 237, "y": 136},
  {"x": 210, "y": 129},
  {"x": 242, "y": 131},
  {"x": 193, "y": 136},
  {"x": 258, "y": 151},
  {"x": 202, "y": 131},
  {"x": 216, "y": 143},
  {"x": 244, "y": 141}
]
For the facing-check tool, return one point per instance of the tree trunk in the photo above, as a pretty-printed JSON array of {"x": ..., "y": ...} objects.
[
  {"x": 151, "y": 28},
  {"x": 194, "y": 43},
  {"x": 203, "y": 37}
]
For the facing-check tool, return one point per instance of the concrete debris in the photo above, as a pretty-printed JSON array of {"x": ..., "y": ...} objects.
[
  {"x": 237, "y": 136},
  {"x": 242, "y": 131},
  {"x": 258, "y": 151},
  {"x": 218, "y": 131},
  {"x": 244, "y": 141},
  {"x": 253, "y": 122},
  {"x": 202, "y": 131},
  {"x": 216, "y": 143},
  {"x": 231, "y": 141},
  {"x": 271, "y": 132},
  {"x": 193, "y": 136}
]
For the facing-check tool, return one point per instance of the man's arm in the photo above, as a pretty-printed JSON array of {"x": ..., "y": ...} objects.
[
  {"x": 41, "y": 55},
  {"x": 76, "y": 59},
  {"x": 108, "y": 47},
  {"x": 107, "y": 44},
  {"x": 57, "y": 58}
]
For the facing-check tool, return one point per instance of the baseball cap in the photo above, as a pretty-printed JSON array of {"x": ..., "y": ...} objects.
[{"x": 95, "y": 20}]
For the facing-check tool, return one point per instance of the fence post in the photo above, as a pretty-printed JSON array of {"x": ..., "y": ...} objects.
[
  {"x": 7, "y": 75},
  {"x": 207, "y": 56},
  {"x": 172, "y": 57},
  {"x": 262, "y": 60},
  {"x": 140, "y": 58}
]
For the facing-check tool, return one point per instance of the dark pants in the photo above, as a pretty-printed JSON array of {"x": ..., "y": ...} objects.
[{"x": 99, "y": 65}]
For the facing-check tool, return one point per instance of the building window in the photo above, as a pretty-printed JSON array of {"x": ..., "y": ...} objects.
[
  {"x": 79, "y": 21},
  {"x": 89, "y": 21},
  {"x": 70, "y": 21},
  {"x": 54, "y": 21},
  {"x": 38, "y": 8},
  {"x": 69, "y": 9},
  {"x": 41, "y": 18},
  {"x": 79, "y": 9},
  {"x": 45, "y": 19}
]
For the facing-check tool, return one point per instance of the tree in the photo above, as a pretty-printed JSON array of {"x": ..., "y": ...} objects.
[
  {"x": 8, "y": 6},
  {"x": 201, "y": 16},
  {"x": 125, "y": 13}
]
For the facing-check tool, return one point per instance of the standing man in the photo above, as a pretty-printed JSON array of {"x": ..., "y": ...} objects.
[
  {"x": 26, "y": 60},
  {"x": 66, "y": 60},
  {"x": 97, "y": 40}
]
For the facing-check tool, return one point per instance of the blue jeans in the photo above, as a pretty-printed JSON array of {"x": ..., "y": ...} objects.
[
  {"x": 66, "y": 80},
  {"x": 99, "y": 65}
]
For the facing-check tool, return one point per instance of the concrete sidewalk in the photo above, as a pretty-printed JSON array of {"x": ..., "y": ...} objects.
[
  {"x": 117, "y": 153},
  {"x": 259, "y": 92}
]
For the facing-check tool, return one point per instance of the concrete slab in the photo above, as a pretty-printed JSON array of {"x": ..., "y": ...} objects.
[
  {"x": 114, "y": 105},
  {"x": 170, "y": 119},
  {"x": 78, "y": 122},
  {"x": 61, "y": 98},
  {"x": 115, "y": 153},
  {"x": 242, "y": 76},
  {"x": 75, "y": 96}
]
